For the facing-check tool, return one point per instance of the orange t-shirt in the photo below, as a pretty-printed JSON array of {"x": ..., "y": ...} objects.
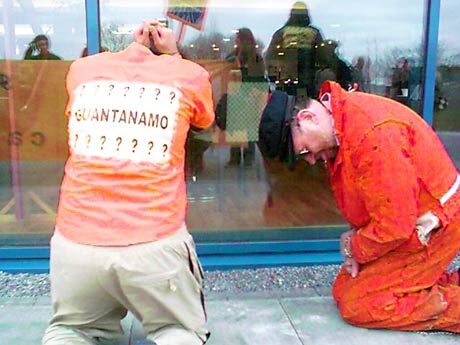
[{"x": 129, "y": 114}]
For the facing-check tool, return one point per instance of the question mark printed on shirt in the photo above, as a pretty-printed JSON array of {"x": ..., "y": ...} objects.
[
  {"x": 119, "y": 140},
  {"x": 82, "y": 89},
  {"x": 173, "y": 95},
  {"x": 103, "y": 140},
  {"x": 134, "y": 141},
  {"x": 150, "y": 147},
  {"x": 157, "y": 93}
]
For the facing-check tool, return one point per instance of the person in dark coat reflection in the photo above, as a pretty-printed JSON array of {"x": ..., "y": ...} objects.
[{"x": 291, "y": 54}]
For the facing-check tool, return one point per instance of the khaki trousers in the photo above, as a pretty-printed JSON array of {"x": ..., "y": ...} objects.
[{"x": 92, "y": 288}]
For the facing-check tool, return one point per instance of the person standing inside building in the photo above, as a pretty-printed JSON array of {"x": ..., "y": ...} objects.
[
  {"x": 398, "y": 188},
  {"x": 39, "y": 50},
  {"x": 245, "y": 98},
  {"x": 121, "y": 242},
  {"x": 291, "y": 55}
]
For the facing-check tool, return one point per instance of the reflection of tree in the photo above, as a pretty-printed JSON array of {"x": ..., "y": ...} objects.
[
  {"x": 208, "y": 46},
  {"x": 382, "y": 64},
  {"x": 453, "y": 60},
  {"x": 447, "y": 56},
  {"x": 395, "y": 56},
  {"x": 212, "y": 46},
  {"x": 113, "y": 38}
]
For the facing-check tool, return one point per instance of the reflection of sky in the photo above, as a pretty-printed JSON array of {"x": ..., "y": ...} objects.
[
  {"x": 363, "y": 27},
  {"x": 359, "y": 25},
  {"x": 449, "y": 27}
]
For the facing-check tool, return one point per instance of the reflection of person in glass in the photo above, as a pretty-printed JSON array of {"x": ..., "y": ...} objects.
[
  {"x": 331, "y": 66},
  {"x": 291, "y": 55},
  {"x": 245, "y": 101},
  {"x": 121, "y": 242},
  {"x": 360, "y": 74},
  {"x": 39, "y": 49},
  {"x": 247, "y": 57},
  {"x": 400, "y": 81},
  {"x": 398, "y": 188}
]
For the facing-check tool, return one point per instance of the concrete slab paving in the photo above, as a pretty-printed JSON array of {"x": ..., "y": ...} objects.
[
  {"x": 239, "y": 322},
  {"x": 23, "y": 323},
  {"x": 249, "y": 322},
  {"x": 317, "y": 321},
  {"x": 275, "y": 320}
]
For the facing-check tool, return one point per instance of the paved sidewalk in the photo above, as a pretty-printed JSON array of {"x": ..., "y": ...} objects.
[{"x": 308, "y": 318}]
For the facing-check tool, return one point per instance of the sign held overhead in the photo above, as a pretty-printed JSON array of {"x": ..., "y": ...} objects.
[{"x": 188, "y": 12}]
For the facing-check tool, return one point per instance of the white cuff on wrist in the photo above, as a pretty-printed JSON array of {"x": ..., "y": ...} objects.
[{"x": 346, "y": 248}]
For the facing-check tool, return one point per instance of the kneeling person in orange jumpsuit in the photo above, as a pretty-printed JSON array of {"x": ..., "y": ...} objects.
[
  {"x": 121, "y": 242},
  {"x": 399, "y": 190}
]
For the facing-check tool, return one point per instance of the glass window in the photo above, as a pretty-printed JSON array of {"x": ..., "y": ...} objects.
[
  {"x": 446, "y": 118},
  {"x": 38, "y": 41},
  {"x": 248, "y": 47},
  {"x": 57, "y": 27}
]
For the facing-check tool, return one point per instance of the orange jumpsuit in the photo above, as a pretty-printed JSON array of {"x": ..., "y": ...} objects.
[{"x": 390, "y": 169}]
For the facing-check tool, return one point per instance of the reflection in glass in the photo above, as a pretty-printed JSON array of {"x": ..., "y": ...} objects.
[
  {"x": 446, "y": 119},
  {"x": 39, "y": 39},
  {"x": 379, "y": 48}
]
